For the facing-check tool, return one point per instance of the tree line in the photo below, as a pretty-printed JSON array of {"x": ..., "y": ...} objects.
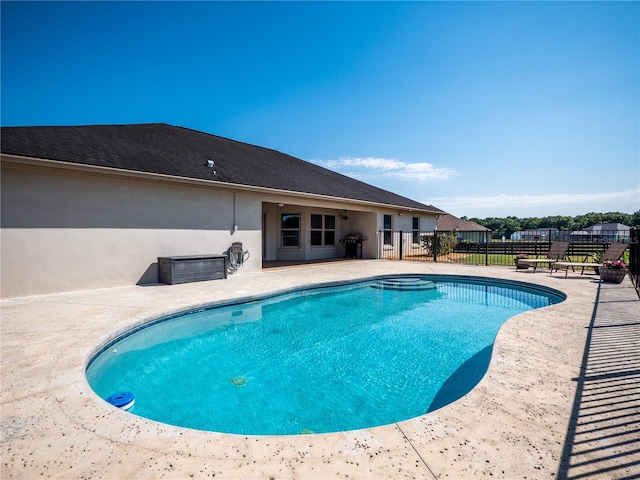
[{"x": 506, "y": 226}]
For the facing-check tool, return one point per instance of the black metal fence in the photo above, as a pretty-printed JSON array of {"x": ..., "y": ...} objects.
[
  {"x": 634, "y": 257},
  {"x": 478, "y": 248}
]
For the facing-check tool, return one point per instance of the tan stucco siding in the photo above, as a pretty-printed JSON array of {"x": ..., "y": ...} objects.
[{"x": 66, "y": 231}]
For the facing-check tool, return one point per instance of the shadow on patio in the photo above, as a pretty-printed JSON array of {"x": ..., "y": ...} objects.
[
  {"x": 268, "y": 264},
  {"x": 603, "y": 438}
]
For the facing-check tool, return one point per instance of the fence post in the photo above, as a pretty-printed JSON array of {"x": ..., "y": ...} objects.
[
  {"x": 634, "y": 256},
  {"x": 486, "y": 249},
  {"x": 401, "y": 244},
  {"x": 435, "y": 246}
]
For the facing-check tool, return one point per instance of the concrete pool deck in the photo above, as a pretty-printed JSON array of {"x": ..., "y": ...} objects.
[{"x": 533, "y": 415}]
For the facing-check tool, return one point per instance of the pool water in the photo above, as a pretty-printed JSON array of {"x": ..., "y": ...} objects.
[{"x": 315, "y": 361}]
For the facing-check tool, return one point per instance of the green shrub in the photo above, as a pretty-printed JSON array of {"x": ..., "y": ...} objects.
[{"x": 446, "y": 243}]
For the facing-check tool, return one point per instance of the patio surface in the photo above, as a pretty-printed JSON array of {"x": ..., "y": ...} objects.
[{"x": 560, "y": 398}]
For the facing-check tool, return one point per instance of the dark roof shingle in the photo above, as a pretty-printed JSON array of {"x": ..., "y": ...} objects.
[
  {"x": 181, "y": 152},
  {"x": 449, "y": 223}
]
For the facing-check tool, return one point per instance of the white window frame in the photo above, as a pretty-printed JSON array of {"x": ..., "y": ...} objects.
[
  {"x": 323, "y": 230},
  {"x": 284, "y": 229}
]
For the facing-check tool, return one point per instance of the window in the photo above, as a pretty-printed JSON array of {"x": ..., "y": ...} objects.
[
  {"x": 323, "y": 230},
  {"x": 416, "y": 230},
  {"x": 387, "y": 229},
  {"x": 290, "y": 229}
]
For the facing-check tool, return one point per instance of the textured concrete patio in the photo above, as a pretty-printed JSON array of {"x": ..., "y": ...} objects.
[{"x": 534, "y": 415}]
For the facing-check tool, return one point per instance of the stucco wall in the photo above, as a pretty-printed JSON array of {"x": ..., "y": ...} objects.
[
  {"x": 65, "y": 231},
  {"x": 404, "y": 222}
]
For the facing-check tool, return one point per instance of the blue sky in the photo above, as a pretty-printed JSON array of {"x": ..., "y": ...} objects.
[{"x": 479, "y": 108}]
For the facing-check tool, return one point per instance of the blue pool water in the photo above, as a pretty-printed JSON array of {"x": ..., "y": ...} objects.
[{"x": 321, "y": 360}]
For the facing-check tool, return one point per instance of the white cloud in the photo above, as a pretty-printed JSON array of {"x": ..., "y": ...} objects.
[
  {"x": 387, "y": 167},
  {"x": 368, "y": 162},
  {"x": 539, "y": 205}
]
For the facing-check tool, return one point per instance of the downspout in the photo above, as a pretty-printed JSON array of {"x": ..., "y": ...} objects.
[{"x": 235, "y": 224}]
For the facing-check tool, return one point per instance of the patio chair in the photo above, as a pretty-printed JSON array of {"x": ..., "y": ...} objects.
[
  {"x": 613, "y": 253},
  {"x": 557, "y": 251}
]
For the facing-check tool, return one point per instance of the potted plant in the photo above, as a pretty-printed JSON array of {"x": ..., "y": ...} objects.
[
  {"x": 521, "y": 265},
  {"x": 613, "y": 271}
]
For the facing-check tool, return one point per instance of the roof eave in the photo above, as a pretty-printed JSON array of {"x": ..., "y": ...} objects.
[{"x": 159, "y": 177}]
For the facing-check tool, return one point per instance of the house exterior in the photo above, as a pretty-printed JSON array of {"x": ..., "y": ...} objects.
[
  {"x": 95, "y": 206},
  {"x": 540, "y": 234},
  {"x": 464, "y": 229},
  {"x": 608, "y": 232}
]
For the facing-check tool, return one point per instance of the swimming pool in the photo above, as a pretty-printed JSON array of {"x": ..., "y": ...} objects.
[{"x": 320, "y": 360}]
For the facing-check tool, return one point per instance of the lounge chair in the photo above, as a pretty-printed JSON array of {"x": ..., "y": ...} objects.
[
  {"x": 557, "y": 251},
  {"x": 613, "y": 253}
]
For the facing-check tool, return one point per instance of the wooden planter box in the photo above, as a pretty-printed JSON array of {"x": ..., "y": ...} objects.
[{"x": 192, "y": 268}]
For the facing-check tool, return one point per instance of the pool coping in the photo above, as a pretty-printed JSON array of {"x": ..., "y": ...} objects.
[{"x": 512, "y": 424}]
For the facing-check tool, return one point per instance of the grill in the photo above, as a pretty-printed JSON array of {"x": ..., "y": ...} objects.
[{"x": 352, "y": 243}]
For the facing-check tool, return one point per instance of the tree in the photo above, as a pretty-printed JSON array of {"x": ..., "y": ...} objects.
[
  {"x": 532, "y": 223},
  {"x": 565, "y": 223},
  {"x": 506, "y": 226},
  {"x": 511, "y": 225}
]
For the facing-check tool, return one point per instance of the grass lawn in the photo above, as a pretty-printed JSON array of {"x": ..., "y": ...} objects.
[
  {"x": 497, "y": 259},
  {"x": 493, "y": 259}
]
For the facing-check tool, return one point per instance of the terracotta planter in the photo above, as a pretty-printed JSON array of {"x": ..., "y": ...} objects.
[
  {"x": 612, "y": 275},
  {"x": 520, "y": 266}
]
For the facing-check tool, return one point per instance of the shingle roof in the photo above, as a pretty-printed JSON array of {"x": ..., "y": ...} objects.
[
  {"x": 608, "y": 227},
  {"x": 449, "y": 223},
  {"x": 181, "y": 152}
]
